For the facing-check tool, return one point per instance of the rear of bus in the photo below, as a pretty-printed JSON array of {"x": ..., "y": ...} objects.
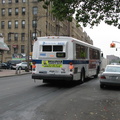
[{"x": 52, "y": 59}]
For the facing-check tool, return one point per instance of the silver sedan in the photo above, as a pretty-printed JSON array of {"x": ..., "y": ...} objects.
[
  {"x": 111, "y": 76},
  {"x": 21, "y": 65}
]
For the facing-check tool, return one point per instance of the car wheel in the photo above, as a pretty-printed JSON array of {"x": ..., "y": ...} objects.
[
  {"x": 102, "y": 86},
  {"x": 20, "y": 68}
]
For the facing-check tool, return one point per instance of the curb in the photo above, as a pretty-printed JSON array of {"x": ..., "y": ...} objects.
[{"x": 15, "y": 75}]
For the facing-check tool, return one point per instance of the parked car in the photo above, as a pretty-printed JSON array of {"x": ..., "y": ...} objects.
[
  {"x": 3, "y": 65},
  {"x": 12, "y": 64},
  {"x": 111, "y": 76},
  {"x": 22, "y": 65}
]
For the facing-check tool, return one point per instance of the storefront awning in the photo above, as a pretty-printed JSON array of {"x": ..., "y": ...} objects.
[{"x": 3, "y": 46}]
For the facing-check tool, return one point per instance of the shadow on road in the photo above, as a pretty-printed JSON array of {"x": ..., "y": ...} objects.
[
  {"x": 112, "y": 88},
  {"x": 63, "y": 84}
]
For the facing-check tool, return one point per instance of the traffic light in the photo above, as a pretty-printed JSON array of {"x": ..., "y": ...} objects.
[{"x": 112, "y": 45}]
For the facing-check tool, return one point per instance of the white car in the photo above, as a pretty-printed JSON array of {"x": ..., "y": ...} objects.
[
  {"x": 111, "y": 76},
  {"x": 22, "y": 65}
]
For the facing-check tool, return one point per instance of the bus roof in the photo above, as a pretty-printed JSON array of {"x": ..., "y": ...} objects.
[{"x": 67, "y": 38}]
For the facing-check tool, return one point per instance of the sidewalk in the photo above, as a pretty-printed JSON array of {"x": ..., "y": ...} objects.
[{"x": 6, "y": 72}]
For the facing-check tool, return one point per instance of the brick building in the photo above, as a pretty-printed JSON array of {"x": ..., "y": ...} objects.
[{"x": 23, "y": 20}]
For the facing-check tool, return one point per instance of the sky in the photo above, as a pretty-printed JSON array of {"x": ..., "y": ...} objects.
[{"x": 102, "y": 36}]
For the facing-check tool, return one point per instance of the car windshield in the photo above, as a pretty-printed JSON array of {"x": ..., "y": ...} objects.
[{"x": 112, "y": 69}]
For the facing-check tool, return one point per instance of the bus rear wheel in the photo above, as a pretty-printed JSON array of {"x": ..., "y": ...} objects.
[{"x": 82, "y": 76}]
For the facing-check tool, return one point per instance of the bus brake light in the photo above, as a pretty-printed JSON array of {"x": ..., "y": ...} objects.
[
  {"x": 71, "y": 66},
  {"x": 33, "y": 66}
]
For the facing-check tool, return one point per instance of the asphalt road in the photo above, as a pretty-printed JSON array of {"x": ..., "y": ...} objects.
[{"x": 22, "y": 99}]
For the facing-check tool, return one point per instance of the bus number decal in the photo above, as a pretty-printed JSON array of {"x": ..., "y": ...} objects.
[
  {"x": 52, "y": 63},
  {"x": 92, "y": 64}
]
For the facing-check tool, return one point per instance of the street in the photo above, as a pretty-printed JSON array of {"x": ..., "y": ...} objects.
[{"x": 22, "y": 99}]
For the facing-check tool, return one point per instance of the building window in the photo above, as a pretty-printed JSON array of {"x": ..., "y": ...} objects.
[
  {"x": 16, "y": 1},
  {"x": 23, "y": 1},
  {"x": 16, "y": 36},
  {"x": 34, "y": 23},
  {"x": 2, "y": 24},
  {"x": 16, "y": 11},
  {"x": 22, "y": 49},
  {"x": 15, "y": 50},
  {"x": 9, "y": 24},
  {"x": 35, "y": 10},
  {"x": 3, "y": 11},
  {"x": 9, "y": 36},
  {"x": 23, "y": 23},
  {"x": 9, "y": 11},
  {"x": 23, "y": 11},
  {"x": 3, "y": 1},
  {"x": 9, "y": 51},
  {"x": 22, "y": 36},
  {"x": 16, "y": 24},
  {"x": 9, "y": 1}
]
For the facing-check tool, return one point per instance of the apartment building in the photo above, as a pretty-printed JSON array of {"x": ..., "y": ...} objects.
[
  {"x": 3, "y": 47},
  {"x": 22, "y": 21}
]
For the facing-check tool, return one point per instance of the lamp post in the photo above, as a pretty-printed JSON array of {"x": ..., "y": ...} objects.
[
  {"x": 28, "y": 41},
  {"x": 116, "y": 42}
]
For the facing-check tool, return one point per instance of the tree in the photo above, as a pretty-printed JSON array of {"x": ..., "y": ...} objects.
[{"x": 90, "y": 12}]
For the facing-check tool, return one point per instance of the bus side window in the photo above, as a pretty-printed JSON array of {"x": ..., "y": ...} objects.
[{"x": 81, "y": 52}]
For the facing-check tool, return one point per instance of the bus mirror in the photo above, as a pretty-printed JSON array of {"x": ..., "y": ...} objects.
[{"x": 101, "y": 54}]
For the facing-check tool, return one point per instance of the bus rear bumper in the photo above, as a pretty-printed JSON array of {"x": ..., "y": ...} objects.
[{"x": 52, "y": 77}]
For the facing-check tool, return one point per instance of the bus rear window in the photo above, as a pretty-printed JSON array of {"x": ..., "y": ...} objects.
[
  {"x": 57, "y": 48},
  {"x": 47, "y": 48}
]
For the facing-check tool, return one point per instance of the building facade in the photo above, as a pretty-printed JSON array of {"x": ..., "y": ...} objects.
[
  {"x": 22, "y": 21},
  {"x": 3, "y": 47},
  {"x": 113, "y": 59}
]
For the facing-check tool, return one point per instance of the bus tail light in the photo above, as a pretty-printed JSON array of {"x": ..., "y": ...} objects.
[
  {"x": 71, "y": 67},
  {"x": 33, "y": 65}
]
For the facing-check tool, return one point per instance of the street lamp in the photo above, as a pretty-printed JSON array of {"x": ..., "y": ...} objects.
[{"x": 36, "y": 18}]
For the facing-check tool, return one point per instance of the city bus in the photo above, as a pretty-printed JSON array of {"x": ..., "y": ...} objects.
[{"x": 64, "y": 58}]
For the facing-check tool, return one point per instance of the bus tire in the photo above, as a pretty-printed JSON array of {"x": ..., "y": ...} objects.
[
  {"x": 102, "y": 86},
  {"x": 97, "y": 72},
  {"x": 45, "y": 81},
  {"x": 48, "y": 80},
  {"x": 82, "y": 76}
]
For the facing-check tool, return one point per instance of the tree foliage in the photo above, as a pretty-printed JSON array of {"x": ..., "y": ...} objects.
[{"x": 90, "y": 12}]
